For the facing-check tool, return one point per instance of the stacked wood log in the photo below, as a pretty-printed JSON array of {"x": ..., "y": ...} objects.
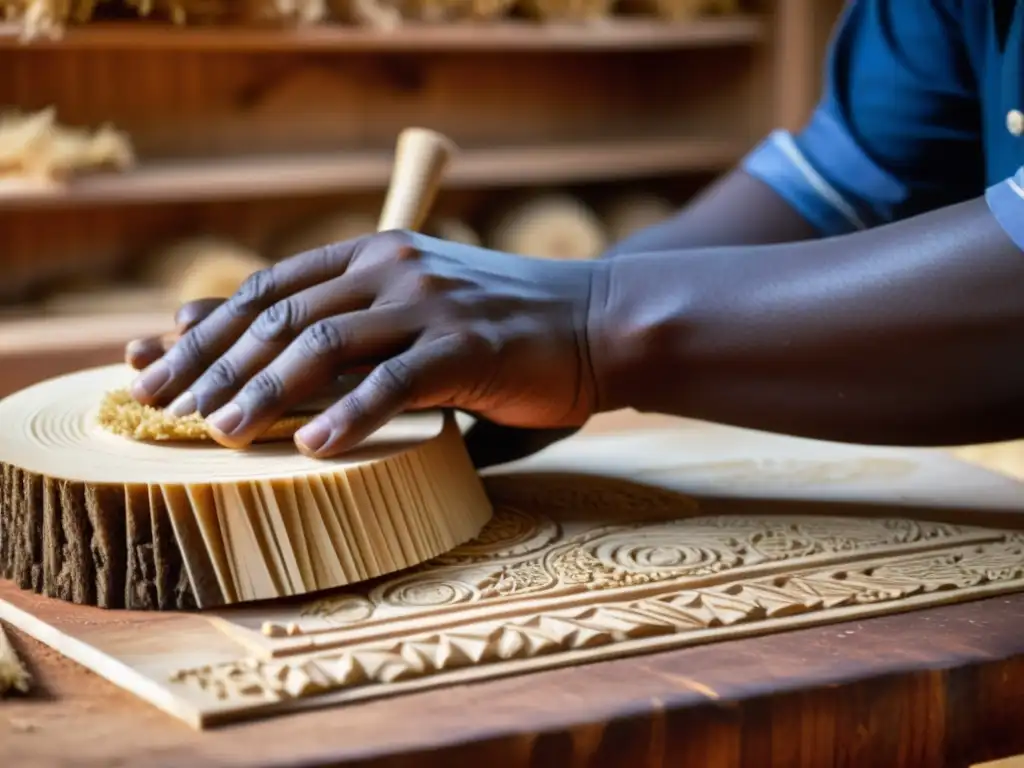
[
  {"x": 323, "y": 230},
  {"x": 552, "y": 225},
  {"x": 215, "y": 266},
  {"x": 347, "y": 225},
  {"x": 628, "y": 213},
  {"x": 202, "y": 267},
  {"x": 455, "y": 230},
  {"x": 549, "y": 226}
]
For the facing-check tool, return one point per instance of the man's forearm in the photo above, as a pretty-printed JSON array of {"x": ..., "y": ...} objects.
[
  {"x": 736, "y": 210},
  {"x": 911, "y": 333}
]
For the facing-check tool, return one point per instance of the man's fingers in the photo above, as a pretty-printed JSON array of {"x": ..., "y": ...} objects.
[
  {"x": 140, "y": 353},
  {"x": 308, "y": 366},
  {"x": 192, "y": 312},
  {"x": 418, "y": 378},
  {"x": 167, "y": 378},
  {"x": 268, "y": 336}
]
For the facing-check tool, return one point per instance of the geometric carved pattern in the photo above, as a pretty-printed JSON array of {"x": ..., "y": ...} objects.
[
  {"x": 675, "y": 612},
  {"x": 570, "y": 569},
  {"x": 542, "y": 589}
]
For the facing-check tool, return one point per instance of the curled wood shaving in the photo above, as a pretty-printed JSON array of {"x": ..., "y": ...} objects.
[
  {"x": 13, "y": 675},
  {"x": 46, "y": 18},
  {"x": 49, "y": 18},
  {"x": 35, "y": 147},
  {"x": 123, "y": 415}
]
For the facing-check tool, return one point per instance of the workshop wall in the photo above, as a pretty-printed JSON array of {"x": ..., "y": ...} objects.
[{"x": 143, "y": 160}]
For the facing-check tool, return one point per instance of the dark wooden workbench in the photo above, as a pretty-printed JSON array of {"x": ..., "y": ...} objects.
[
  {"x": 938, "y": 687},
  {"x": 942, "y": 687}
]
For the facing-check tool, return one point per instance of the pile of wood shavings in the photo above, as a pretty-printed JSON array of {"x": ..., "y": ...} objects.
[
  {"x": 298, "y": 12},
  {"x": 123, "y": 415},
  {"x": 34, "y": 147},
  {"x": 13, "y": 675},
  {"x": 48, "y": 18}
]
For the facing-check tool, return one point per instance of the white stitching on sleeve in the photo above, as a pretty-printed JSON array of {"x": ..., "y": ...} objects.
[
  {"x": 784, "y": 141},
  {"x": 1012, "y": 184}
]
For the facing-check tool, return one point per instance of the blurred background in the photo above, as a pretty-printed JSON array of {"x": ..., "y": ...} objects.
[{"x": 153, "y": 151}]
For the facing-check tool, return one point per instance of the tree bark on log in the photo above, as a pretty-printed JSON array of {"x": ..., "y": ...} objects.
[{"x": 103, "y": 545}]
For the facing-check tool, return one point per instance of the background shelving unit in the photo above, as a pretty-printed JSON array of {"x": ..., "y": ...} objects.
[
  {"x": 245, "y": 132},
  {"x": 313, "y": 174}
]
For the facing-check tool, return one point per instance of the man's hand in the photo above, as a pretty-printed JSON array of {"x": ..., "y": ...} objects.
[
  {"x": 438, "y": 324},
  {"x": 489, "y": 444}
]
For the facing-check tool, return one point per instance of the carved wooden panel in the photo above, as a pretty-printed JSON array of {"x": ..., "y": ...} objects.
[{"x": 569, "y": 571}]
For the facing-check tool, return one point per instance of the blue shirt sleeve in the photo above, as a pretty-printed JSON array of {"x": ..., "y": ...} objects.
[
  {"x": 898, "y": 129},
  {"x": 1006, "y": 202}
]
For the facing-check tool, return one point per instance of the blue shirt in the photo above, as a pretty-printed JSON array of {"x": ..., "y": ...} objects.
[{"x": 919, "y": 111}]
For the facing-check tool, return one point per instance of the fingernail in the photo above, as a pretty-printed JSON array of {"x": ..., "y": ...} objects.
[
  {"x": 183, "y": 405},
  {"x": 132, "y": 351},
  {"x": 313, "y": 435},
  {"x": 149, "y": 382},
  {"x": 227, "y": 419}
]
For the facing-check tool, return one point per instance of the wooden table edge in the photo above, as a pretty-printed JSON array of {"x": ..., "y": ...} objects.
[{"x": 968, "y": 685}]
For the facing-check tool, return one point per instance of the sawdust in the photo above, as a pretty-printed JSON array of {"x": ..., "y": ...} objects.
[
  {"x": 122, "y": 415},
  {"x": 13, "y": 675}
]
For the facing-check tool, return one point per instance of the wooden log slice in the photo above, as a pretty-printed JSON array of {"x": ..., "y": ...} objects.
[
  {"x": 95, "y": 518},
  {"x": 627, "y": 214},
  {"x": 201, "y": 267},
  {"x": 455, "y": 230},
  {"x": 333, "y": 227},
  {"x": 549, "y": 226}
]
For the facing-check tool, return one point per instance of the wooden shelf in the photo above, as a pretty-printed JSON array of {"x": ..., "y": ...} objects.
[
  {"x": 255, "y": 178},
  {"x": 34, "y": 348},
  {"x": 504, "y": 36},
  {"x": 61, "y": 333}
]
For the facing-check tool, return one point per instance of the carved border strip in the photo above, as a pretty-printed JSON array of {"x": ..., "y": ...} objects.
[
  {"x": 594, "y": 582},
  {"x": 547, "y": 639}
]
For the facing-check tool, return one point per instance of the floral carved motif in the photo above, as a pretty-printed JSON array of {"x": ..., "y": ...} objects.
[
  {"x": 521, "y": 554},
  {"x": 558, "y": 591},
  {"x": 673, "y": 613}
]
